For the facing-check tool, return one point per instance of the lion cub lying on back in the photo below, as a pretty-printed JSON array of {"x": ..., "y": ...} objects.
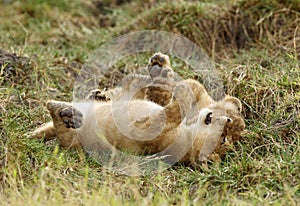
[{"x": 145, "y": 127}]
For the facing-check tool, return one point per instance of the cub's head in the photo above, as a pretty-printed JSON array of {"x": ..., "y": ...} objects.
[
  {"x": 232, "y": 132},
  {"x": 209, "y": 125}
]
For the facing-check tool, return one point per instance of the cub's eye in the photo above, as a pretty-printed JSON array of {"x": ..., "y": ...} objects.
[{"x": 208, "y": 118}]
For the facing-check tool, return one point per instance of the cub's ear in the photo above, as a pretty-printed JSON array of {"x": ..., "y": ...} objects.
[{"x": 235, "y": 101}]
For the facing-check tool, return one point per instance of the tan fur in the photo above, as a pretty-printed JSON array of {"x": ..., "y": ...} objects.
[
  {"x": 230, "y": 107},
  {"x": 170, "y": 116},
  {"x": 104, "y": 127},
  {"x": 46, "y": 132}
]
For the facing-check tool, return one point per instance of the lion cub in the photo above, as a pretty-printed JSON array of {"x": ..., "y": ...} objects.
[
  {"x": 162, "y": 115},
  {"x": 138, "y": 126},
  {"x": 158, "y": 88}
]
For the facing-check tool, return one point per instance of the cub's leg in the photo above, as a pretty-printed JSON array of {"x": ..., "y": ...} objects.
[
  {"x": 180, "y": 105},
  {"x": 133, "y": 86},
  {"x": 203, "y": 99},
  {"x": 188, "y": 95},
  {"x": 46, "y": 132},
  {"x": 173, "y": 113},
  {"x": 157, "y": 87},
  {"x": 161, "y": 88},
  {"x": 66, "y": 119},
  {"x": 162, "y": 85}
]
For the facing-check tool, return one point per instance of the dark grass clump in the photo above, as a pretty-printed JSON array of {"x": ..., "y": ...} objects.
[{"x": 13, "y": 68}]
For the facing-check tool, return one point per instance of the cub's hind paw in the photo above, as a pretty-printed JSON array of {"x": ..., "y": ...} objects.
[{"x": 71, "y": 117}]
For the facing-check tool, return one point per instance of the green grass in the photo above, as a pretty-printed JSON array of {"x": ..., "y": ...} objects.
[{"x": 57, "y": 37}]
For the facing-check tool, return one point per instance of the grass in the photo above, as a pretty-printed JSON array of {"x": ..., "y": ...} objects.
[{"x": 259, "y": 65}]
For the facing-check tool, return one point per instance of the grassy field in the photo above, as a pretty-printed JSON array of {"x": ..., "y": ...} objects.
[{"x": 256, "y": 47}]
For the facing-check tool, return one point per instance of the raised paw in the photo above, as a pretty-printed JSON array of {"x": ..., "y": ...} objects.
[
  {"x": 71, "y": 117},
  {"x": 159, "y": 66},
  {"x": 159, "y": 59},
  {"x": 97, "y": 95},
  {"x": 161, "y": 87}
]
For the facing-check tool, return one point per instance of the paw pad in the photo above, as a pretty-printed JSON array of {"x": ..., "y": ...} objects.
[
  {"x": 71, "y": 117},
  {"x": 158, "y": 59},
  {"x": 159, "y": 66}
]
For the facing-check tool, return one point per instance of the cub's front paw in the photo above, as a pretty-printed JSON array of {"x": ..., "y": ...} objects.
[
  {"x": 97, "y": 95},
  {"x": 159, "y": 66},
  {"x": 160, "y": 60}
]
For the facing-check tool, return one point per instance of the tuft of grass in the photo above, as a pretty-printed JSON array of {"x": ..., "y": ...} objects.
[
  {"x": 256, "y": 46},
  {"x": 220, "y": 28}
]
